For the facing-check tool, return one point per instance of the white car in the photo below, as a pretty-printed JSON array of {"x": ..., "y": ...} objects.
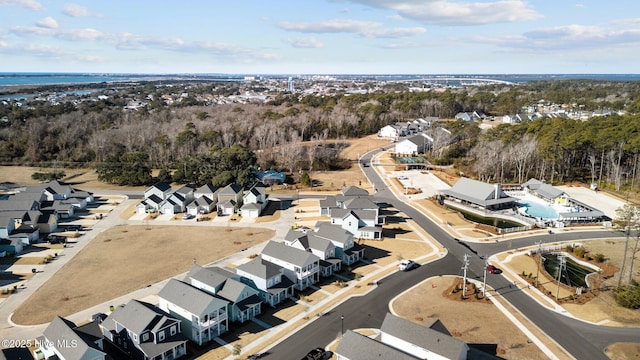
[
  {"x": 406, "y": 265},
  {"x": 403, "y": 178}
]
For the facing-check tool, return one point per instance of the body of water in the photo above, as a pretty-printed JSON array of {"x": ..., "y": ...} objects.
[
  {"x": 15, "y": 79},
  {"x": 538, "y": 210}
]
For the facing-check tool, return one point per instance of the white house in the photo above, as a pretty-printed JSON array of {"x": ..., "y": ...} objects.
[
  {"x": 301, "y": 267},
  {"x": 63, "y": 339},
  {"x": 203, "y": 315},
  {"x": 414, "y": 145},
  {"x": 268, "y": 278}
]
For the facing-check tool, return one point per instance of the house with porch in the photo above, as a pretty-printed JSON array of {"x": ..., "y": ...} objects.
[
  {"x": 203, "y": 316},
  {"x": 244, "y": 301},
  {"x": 414, "y": 145},
  {"x": 267, "y": 278},
  {"x": 346, "y": 248},
  {"x": 143, "y": 331},
  {"x": 317, "y": 245},
  {"x": 301, "y": 267},
  {"x": 63, "y": 339}
]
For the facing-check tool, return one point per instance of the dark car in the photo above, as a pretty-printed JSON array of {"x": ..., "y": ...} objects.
[
  {"x": 56, "y": 239},
  {"x": 494, "y": 270},
  {"x": 316, "y": 354},
  {"x": 73, "y": 227}
]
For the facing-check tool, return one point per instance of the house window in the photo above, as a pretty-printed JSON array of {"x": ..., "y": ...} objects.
[
  {"x": 173, "y": 330},
  {"x": 145, "y": 336},
  {"x": 161, "y": 336},
  {"x": 135, "y": 337}
]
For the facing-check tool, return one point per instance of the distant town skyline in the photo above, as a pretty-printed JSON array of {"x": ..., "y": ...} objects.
[{"x": 320, "y": 37}]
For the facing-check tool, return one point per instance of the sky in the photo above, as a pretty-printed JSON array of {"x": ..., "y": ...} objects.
[{"x": 321, "y": 36}]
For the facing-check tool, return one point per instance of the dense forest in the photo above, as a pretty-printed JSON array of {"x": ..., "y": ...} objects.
[{"x": 293, "y": 132}]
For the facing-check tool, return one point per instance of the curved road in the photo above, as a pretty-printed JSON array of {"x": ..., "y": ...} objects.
[{"x": 581, "y": 339}]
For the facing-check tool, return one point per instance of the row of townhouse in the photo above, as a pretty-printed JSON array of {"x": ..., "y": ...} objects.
[
  {"x": 401, "y": 129},
  {"x": 36, "y": 210},
  {"x": 204, "y": 304},
  {"x": 203, "y": 200}
]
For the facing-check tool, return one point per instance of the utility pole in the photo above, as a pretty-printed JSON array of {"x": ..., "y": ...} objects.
[
  {"x": 561, "y": 266},
  {"x": 464, "y": 277},
  {"x": 484, "y": 281},
  {"x": 538, "y": 261}
]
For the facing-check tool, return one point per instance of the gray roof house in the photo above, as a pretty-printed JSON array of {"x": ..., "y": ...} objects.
[
  {"x": 345, "y": 247},
  {"x": 317, "y": 245},
  {"x": 543, "y": 190},
  {"x": 301, "y": 267},
  {"x": 143, "y": 331},
  {"x": 201, "y": 205},
  {"x": 207, "y": 190},
  {"x": 160, "y": 189},
  {"x": 473, "y": 192},
  {"x": 63, "y": 339},
  {"x": 229, "y": 199},
  {"x": 203, "y": 315},
  {"x": 402, "y": 339},
  {"x": 267, "y": 278},
  {"x": 244, "y": 300},
  {"x": 254, "y": 200}
]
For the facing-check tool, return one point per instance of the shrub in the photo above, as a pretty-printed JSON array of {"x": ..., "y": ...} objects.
[
  {"x": 600, "y": 257},
  {"x": 579, "y": 251},
  {"x": 628, "y": 296}
]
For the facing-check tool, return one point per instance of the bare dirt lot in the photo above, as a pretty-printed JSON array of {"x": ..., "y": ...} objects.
[{"x": 126, "y": 258}]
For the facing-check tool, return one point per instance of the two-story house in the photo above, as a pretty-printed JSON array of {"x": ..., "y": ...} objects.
[
  {"x": 301, "y": 267},
  {"x": 229, "y": 199},
  {"x": 268, "y": 278},
  {"x": 254, "y": 201},
  {"x": 320, "y": 246},
  {"x": 63, "y": 339},
  {"x": 346, "y": 249},
  {"x": 244, "y": 301},
  {"x": 203, "y": 315},
  {"x": 143, "y": 331}
]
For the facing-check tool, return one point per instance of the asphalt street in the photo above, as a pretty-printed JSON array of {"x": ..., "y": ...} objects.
[{"x": 581, "y": 339}]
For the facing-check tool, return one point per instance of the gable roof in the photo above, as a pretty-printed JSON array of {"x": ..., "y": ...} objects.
[
  {"x": 231, "y": 189},
  {"x": 426, "y": 338},
  {"x": 354, "y": 191},
  {"x": 189, "y": 297},
  {"x": 478, "y": 192},
  {"x": 63, "y": 331},
  {"x": 332, "y": 232},
  {"x": 289, "y": 254},
  {"x": 206, "y": 189},
  {"x": 543, "y": 189},
  {"x": 359, "y": 347},
  {"x": 360, "y": 203},
  {"x": 260, "y": 268},
  {"x": 212, "y": 276},
  {"x": 160, "y": 185},
  {"x": 138, "y": 316}
]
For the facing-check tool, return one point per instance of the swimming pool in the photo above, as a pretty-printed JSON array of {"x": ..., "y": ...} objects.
[{"x": 538, "y": 210}]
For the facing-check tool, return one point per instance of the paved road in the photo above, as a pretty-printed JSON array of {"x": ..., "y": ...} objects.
[{"x": 582, "y": 340}]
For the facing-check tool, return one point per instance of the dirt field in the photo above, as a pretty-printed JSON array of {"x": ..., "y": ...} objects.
[
  {"x": 477, "y": 322},
  {"x": 126, "y": 258}
]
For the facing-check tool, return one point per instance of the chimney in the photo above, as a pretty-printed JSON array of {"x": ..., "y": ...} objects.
[{"x": 496, "y": 192}]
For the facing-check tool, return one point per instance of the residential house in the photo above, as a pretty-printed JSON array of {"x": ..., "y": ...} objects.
[
  {"x": 402, "y": 339},
  {"x": 160, "y": 189},
  {"x": 391, "y": 131},
  {"x": 153, "y": 203},
  {"x": 11, "y": 245},
  {"x": 244, "y": 301},
  {"x": 143, "y": 331},
  {"x": 201, "y": 205},
  {"x": 229, "y": 199},
  {"x": 207, "y": 190},
  {"x": 346, "y": 249},
  {"x": 337, "y": 201},
  {"x": 301, "y": 267},
  {"x": 464, "y": 116},
  {"x": 203, "y": 315},
  {"x": 417, "y": 144},
  {"x": 317, "y": 245},
  {"x": 267, "y": 278},
  {"x": 254, "y": 201},
  {"x": 359, "y": 215},
  {"x": 64, "y": 340},
  {"x": 7, "y": 224}
]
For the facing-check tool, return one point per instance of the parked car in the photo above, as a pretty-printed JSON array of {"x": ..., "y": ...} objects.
[
  {"x": 406, "y": 265},
  {"x": 494, "y": 270},
  {"x": 316, "y": 354},
  {"x": 403, "y": 178},
  {"x": 56, "y": 239},
  {"x": 187, "y": 216},
  {"x": 72, "y": 227}
]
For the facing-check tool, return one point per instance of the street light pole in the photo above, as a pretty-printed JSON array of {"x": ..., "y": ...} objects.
[{"x": 342, "y": 324}]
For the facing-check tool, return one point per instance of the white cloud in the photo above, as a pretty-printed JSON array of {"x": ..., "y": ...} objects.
[
  {"x": 306, "y": 42},
  {"x": 48, "y": 22},
  {"x": 368, "y": 29},
  {"x": 447, "y": 12},
  {"x": 329, "y": 26},
  {"x": 565, "y": 39},
  {"x": 75, "y": 10},
  {"x": 29, "y": 4}
]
